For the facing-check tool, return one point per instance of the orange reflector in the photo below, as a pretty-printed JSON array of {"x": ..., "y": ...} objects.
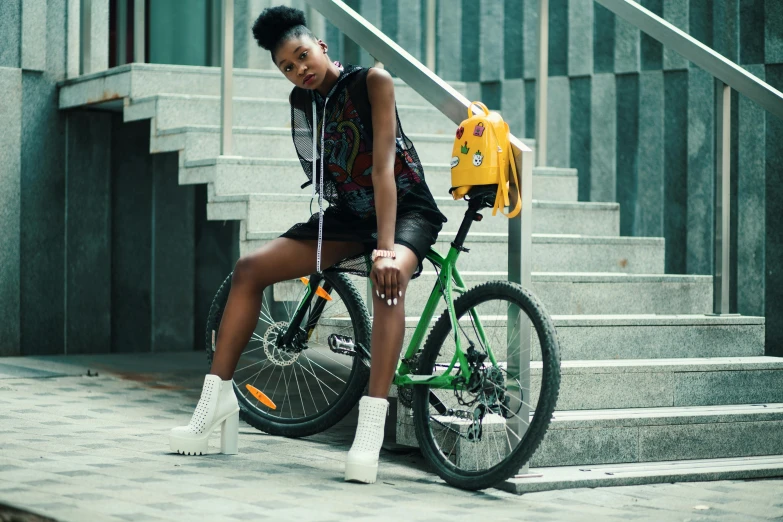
[
  {"x": 318, "y": 291},
  {"x": 261, "y": 396},
  {"x": 323, "y": 293}
]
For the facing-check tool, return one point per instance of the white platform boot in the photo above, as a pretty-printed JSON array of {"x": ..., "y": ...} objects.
[
  {"x": 217, "y": 406},
  {"x": 362, "y": 462}
]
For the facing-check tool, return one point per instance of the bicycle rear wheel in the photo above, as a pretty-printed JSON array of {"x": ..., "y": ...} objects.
[
  {"x": 479, "y": 433},
  {"x": 311, "y": 385}
]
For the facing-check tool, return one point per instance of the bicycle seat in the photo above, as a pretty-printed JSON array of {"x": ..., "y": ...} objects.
[{"x": 482, "y": 196}]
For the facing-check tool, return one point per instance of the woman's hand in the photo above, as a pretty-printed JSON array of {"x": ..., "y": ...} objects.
[{"x": 384, "y": 276}]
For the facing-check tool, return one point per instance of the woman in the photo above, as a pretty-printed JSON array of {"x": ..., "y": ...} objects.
[{"x": 379, "y": 205}]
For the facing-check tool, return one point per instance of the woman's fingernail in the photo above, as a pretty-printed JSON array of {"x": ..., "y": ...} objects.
[
  {"x": 383, "y": 296},
  {"x": 377, "y": 293},
  {"x": 389, "y": 301},
  {"x": 395, "y": 300},
  {"x": 400, "y": 292}
]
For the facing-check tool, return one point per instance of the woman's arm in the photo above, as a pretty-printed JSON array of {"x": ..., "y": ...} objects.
[{"x": 380, "y": 90}]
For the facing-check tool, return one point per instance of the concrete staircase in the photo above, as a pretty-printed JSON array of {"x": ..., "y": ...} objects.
[{"x": 653, "y": 390}]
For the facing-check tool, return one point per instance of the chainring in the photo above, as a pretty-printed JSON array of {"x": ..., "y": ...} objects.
[{"x": 405, "y": 393}]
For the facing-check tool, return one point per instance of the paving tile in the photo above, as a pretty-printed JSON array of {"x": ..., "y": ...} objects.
[{"x": 110, "y": 461}]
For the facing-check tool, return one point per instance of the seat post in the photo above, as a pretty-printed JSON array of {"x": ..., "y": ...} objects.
[{"x": 464, "y": 228}]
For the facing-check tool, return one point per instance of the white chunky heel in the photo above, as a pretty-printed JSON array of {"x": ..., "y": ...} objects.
[
  {"x": 362, "y": 462},
  {"x": 217, "y": 407},
  {"x": 229, "y": 435}
]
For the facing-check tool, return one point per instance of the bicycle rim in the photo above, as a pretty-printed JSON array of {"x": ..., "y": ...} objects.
[{"x": 480, "y": 433}]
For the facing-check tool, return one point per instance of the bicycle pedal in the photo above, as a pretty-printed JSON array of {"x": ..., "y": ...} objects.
[{"x": 345, "y": 345}]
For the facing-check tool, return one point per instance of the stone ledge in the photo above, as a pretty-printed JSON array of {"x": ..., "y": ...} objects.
[{"x": 570, "y": 477}]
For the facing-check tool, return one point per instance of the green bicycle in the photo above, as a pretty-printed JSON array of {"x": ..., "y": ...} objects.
[{"x": 478, "y": 406}]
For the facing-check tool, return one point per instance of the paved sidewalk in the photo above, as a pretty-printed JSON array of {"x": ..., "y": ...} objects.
[{"x": 94, "y": 448}]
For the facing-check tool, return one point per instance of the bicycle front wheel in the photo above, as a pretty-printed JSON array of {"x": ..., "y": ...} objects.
[
  {"x": 483, "y": 431},
  {"x": 311, "y": 385}
]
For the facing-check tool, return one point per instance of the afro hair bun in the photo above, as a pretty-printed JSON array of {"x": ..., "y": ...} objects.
[{"x": 274, "y": 22}]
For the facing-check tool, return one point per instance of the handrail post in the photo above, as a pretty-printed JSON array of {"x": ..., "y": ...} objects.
[
  {"x": 520, "y": 267},
  {"x": 121, "y": 51},
  {"x": 542, "y": 82},
  {"x": 139, "y": 31},
  {"x": 227, "y": 79},
  {"x": 429, "y": 59},
  {"x": 722, "y": 253},
  {"x": 85, "y": 37}
]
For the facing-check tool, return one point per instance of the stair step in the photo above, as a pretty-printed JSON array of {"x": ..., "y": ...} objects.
[
  {"x": 551, "y": 252},
  {"x": 178, "y": 110},
  {"x": 591, "y": 294},
  {"x": 613, "y": 436},
  {"x": 551, "y": 217},
  {"x": 655, "y": 342},
  {"x": 243, "y": 176},
  {"x": 573, "y": 293},
  {"x": 651, "y": 383},
  {"x": 201, "y": 142},
  {"x": 140, "y": 80},
  {"x": 636, "y": 474},
  {"x": 659, "y": 383}
]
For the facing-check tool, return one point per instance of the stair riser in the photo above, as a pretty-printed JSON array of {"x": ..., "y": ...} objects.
[
  {"x": 666, "y": 389},
  {"x": 208, "y": 83},
  {"x": 619, "y": 444},
  {"x": 203, "y": 146},
  {"x": 200, "y": 81},
  {"x": 288, "y": 178},
  {"x": 564, "y": 257},
  {"x": 198, "y": 145},
  {"x": 180, "y": 112},
  {"x": 586, "y": 298},
  {"x": 554, "y": 257},
  {"x": 580, "y": 343},
  {"x": 659, "y": 341},
  {"x": 599, "y": 298},
  {"x": 585, "y": 221}
]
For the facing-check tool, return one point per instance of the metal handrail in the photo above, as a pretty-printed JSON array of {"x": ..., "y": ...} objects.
[
  {"x": 706, "y": 58},
  {"x": 454, "y": 105},
  {"x": 730, "y": 76}
]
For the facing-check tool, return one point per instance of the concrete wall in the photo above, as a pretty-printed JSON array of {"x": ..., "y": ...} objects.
[
  {"x": 100, "y": 249},
  {"x": 636, "y": 120}
]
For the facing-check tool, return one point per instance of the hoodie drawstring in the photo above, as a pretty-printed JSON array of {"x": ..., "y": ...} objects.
[{"x": 320, "y": 181}]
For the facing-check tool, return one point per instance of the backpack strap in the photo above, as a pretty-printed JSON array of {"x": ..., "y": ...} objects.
[{"x": 502, "y": 199}]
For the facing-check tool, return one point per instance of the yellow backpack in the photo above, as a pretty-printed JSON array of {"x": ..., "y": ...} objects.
[{"x": 481, "y": 156}]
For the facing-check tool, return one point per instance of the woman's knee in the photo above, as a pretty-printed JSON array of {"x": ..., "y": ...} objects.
[{"x": 246, "y": 271}]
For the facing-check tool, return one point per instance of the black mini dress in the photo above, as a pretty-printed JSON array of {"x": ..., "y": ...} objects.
[{"x": 346, "y": 142}]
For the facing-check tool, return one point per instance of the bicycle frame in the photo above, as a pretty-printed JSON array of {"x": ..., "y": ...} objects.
[{"x": 450, "y": 281}]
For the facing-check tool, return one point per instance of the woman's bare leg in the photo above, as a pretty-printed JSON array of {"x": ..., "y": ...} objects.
[
  {"x": 279, "y": 260},
  {"x": 388, "y": 327}
]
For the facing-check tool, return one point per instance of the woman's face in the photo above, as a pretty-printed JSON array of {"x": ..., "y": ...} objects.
[{"x": 303, "y": 61}]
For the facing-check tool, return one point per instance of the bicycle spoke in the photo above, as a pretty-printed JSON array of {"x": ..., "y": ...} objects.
[
  {"x": 319, "y": 380},
  {"x": 324, "y": 369}
]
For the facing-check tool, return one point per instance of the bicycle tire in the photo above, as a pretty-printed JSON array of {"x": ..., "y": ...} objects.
[
  {"x": 352, "y": 392},
  {"x": 548, "y": 394}
]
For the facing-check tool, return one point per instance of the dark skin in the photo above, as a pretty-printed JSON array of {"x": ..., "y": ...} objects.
[{"x": 305, "y": 63}]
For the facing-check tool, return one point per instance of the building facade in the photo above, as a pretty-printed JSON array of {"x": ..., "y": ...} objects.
[{"x": 101, "y": 249}]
